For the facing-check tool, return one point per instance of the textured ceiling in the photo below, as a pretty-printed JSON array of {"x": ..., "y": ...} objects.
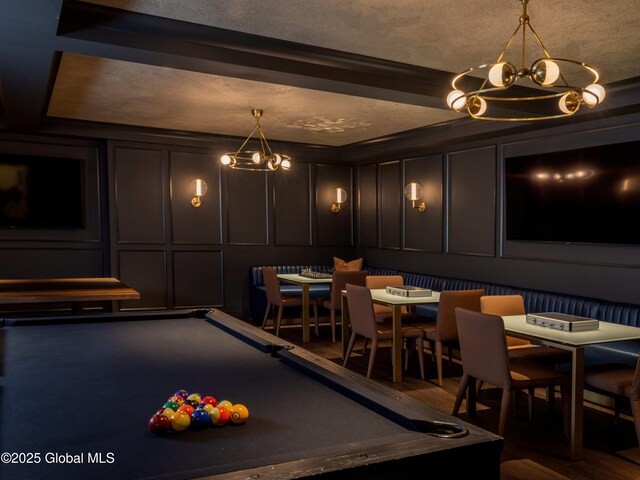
[
  {"x": 448, "y": 36},
  {"x": 114, "y": 91}
]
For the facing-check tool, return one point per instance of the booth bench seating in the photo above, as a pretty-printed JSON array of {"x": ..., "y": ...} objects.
[{"x": 535, "y": 301}]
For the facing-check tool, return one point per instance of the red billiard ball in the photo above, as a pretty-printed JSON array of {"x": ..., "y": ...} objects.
[
  {"x": 210, "y": 400},
  {"x": 219, "y": 416},
  {"x": 159, "y": 424}
]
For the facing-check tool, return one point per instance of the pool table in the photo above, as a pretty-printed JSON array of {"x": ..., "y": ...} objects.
[{"x": 79, "y": 391}]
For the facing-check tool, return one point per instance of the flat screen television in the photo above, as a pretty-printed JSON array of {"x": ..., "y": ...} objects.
[
  {"x": 41, "y": 192},
  {"x": 587, "y": 195}
]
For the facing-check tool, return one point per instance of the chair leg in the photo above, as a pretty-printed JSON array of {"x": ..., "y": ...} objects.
[
  {"x": 565, "y": 392},
  {"x": 420, "y": 349},
  {"x": 352, "y": 342},
  {"x": 616, "y": 411},
  {"x": 479, "y": 387},
  {"x": 504, "y": 411},
  {"x": 462, "y": 389},
  {"x": 406, "y": 353},
  {"x": 635, "y": 410},
  {"x": 333, "y": 325},
  {"x": 266, "y": 316},
  {"x": 280, "y": 309},
  {"x": 364, "y": 346},
  {"x": 315, "y": 317},
  {"x": 372, "y": 356},
  {"x": 450, "y": 352},
  {"x": 515, "y": 401},
  {"x": 439, "y": 361},
  {"x": 532, "y": 396}
]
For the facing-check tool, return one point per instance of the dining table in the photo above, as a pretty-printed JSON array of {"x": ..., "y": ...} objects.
[{"x": 574, "y": 342}]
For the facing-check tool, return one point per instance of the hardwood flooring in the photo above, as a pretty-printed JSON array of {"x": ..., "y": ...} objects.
[{"x": 611, "y": 451}]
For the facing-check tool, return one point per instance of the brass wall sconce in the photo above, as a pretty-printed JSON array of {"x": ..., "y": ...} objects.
[
  {"x": 198, "y": 187},
  {"x": 413, "y": 192},
  {"x": 341, "y": 197}
]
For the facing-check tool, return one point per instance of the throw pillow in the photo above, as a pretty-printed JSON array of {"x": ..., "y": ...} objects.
[{"x": 353, "y": 265}]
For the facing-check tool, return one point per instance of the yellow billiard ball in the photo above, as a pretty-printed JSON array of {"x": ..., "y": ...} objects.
[
  {"x": 239, "y": 413},
  {"x": 195, "y": 397},
  {"x": 226, "y": 404},
  {"x": 180, "y": 421},
  {"x": 167, "y": 412},
  {"x": 207, "y": 407}
]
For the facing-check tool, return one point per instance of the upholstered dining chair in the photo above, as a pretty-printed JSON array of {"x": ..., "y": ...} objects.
[
  {"x": 483, "y": 347},
  {"x": 338, "y": 283},
  {"x": 445, "y": 331},
  {"x": 363, "y": 323},
  {"x": 502, "y": 305},
  {"x": 618, "y": 381},
  {"x": 276, "y": 299}
]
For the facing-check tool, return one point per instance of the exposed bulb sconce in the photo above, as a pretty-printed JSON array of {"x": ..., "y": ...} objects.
[
  {"x": 198, "y": 187},
  {"x": 413, "y": 191},
  {"x": 341, "y": 197}
]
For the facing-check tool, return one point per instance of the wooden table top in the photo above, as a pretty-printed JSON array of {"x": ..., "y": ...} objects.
[{"x": 47, "y": 290}]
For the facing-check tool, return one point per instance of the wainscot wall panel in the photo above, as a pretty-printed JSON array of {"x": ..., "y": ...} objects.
[
  {"x": 146, "y": 272},
  {"x": 140, "y": 194},
  {"x": 472, "y": 202},
  {"x": 334, "y": 229},
  {"x": 292, "y": 205},
  {"x": 197, "y": 279},
  {"x": 423, "y": 231},
  {"x": 368, "y": 205},
  {"x": 193, "y": 225},
  {"x": 247, "y": 215},
  {"x": 389, "y": 204},
  {"x": 51, "y": 262}
]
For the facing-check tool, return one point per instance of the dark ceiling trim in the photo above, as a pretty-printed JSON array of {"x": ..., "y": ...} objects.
[{"x": 172, "y": 43}]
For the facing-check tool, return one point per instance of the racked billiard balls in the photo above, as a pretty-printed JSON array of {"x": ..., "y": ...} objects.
[
  {"x": 180, "y": 421},
  {"x": 159, "y": 424},
  {"x": 181, "y": 393},
  {"x": 239, "y": 414},
  {"x": 172, "y": 405},
  {"x": 219, "y": 416},
  {"x": 209, "y": 399},
  {"x": 188, "y": 409},
  {"x": 200, "y": 419},
  {"x": 193, "y": 403},
  {"x": 205, "y": 406}
]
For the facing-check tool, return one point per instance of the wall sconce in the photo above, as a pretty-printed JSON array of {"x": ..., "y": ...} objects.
[
  {"x": 198, "y": 187},
  {"x": 413, "y": 191},
  {"x": 341, "y": 197}
]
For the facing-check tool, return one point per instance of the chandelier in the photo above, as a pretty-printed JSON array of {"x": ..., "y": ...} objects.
[
  {"x": 560, "y": 99},
  {"x": 263, "y": 160}
]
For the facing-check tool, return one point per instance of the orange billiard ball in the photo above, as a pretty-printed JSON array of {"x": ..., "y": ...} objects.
[{"x": 219, "y": 416}]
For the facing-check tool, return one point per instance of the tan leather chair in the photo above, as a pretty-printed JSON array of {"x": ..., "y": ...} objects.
[
  {"x": 445, "y": 331},
  {"x": 483, "y": 347},
  {"x": 503, "y": 305},
  {"x": 338, "y": 283},
  {"x": 619, "y": 381},
  {"x": 363, "y": 323},
  {"x": 276, "y": 299}
]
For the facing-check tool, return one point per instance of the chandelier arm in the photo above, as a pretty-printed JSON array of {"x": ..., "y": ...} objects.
[
  {"x": 546, "y": 52},
  {"x": 246, "y": 140},
  {"x": 509, "y": 42},
  {"x": 263, "y": 139},
  {"x": 523, "y": 119}
]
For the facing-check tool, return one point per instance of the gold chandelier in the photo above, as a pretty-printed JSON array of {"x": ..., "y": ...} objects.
[
  {"x": 263, "y": 160},
  {"x": 564, "y": 100}
]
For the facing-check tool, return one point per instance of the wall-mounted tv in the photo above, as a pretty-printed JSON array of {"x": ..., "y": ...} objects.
[
  {"x": 588, "y": 195},
  {"x": 41, "y": 192}
]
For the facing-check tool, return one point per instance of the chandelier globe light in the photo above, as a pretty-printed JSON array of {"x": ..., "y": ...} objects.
[
  {"x": 549, "y": 95},
  {"x": 262, "y": 160}
]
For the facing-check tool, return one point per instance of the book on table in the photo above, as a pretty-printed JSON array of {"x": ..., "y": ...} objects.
[
  {"x": 562, "y": 321},
  {"x": 408, "y": 291}
]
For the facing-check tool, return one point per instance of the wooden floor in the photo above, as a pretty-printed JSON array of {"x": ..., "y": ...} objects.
[{"x": 611, "y": 452}]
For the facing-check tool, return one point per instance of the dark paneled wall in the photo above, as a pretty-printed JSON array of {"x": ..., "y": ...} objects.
[
  {"x": 464, "y": 208},
  {"x": 141, "y": 225}
]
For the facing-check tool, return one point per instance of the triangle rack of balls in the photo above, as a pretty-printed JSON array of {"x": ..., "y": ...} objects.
[{"x": 183, "y": 410}]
